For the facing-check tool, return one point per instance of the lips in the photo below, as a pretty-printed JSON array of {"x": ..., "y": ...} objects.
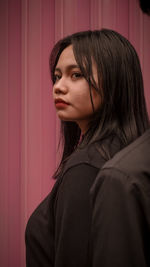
[
  {"x": 60, "y": 103},
  {"x": 59, "y": 100}
]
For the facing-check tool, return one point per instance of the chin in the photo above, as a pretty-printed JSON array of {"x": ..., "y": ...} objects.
[{"x": 63, "y": 118}]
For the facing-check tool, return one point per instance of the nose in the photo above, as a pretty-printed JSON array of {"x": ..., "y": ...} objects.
[{"x": 60, "y": 87}]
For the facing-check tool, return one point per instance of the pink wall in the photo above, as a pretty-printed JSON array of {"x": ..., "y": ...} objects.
[{"x": 29, "y": 129}]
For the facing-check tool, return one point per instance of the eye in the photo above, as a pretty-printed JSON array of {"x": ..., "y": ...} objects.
[
  {"x": 57, "y": 77},
  {"x": 76, "y": 75}
]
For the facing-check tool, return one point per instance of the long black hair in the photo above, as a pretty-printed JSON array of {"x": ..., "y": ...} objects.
[{"x": 120, "y": 85}]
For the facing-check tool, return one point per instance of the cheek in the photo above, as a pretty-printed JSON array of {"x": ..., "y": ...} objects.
[
  {"x": 82, "y": 94},
  {"x": 83, "y": 101}
]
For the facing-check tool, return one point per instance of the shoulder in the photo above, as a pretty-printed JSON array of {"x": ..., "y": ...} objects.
[
  {"x": 91, "y": 154},
  {"x": 128, "y": 171},
  {"x": 83, "y": 166},
  {"x": 87, "y": 155},
  {"x": 133, "y": 159}
]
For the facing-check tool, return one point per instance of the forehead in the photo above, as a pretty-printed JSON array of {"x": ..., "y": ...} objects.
[{"x": 66, "y": 58}]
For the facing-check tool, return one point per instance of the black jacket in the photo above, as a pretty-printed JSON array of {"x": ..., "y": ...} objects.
[
  {"x": 121, "y": 208},
  {"x": 57, "y": 233}
]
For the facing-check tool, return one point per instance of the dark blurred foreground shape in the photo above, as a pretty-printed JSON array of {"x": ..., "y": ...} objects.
[{"x": 145, "y": 6}]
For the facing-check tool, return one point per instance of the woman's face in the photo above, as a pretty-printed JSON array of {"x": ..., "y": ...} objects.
[{"x": 71, "y": 91}]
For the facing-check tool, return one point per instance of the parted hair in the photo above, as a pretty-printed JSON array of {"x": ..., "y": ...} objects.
[{"x": 120, "y": 85}]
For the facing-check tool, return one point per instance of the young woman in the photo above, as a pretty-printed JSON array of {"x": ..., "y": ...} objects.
[{"x": 99, "y": 98}]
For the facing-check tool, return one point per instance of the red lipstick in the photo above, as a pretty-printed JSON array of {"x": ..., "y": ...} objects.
[{"x": 60, "y": 103}]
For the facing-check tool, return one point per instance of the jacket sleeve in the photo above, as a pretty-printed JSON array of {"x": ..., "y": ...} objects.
[
  {"x": 120, "y": 223},
  {"x": 73, "y": 217}
]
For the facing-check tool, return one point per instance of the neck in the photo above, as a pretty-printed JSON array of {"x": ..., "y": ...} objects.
[{"x": 84, "y": 126}]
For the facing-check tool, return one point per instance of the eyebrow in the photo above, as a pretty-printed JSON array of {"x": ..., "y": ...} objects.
[{"x": 68, "y": 68}]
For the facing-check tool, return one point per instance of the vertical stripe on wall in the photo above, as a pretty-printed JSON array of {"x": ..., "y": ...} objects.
[
  {"x": 38, "y": 114},
  {"x": 29, "y": 128},
  {"x": 10, "y": 132}
]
